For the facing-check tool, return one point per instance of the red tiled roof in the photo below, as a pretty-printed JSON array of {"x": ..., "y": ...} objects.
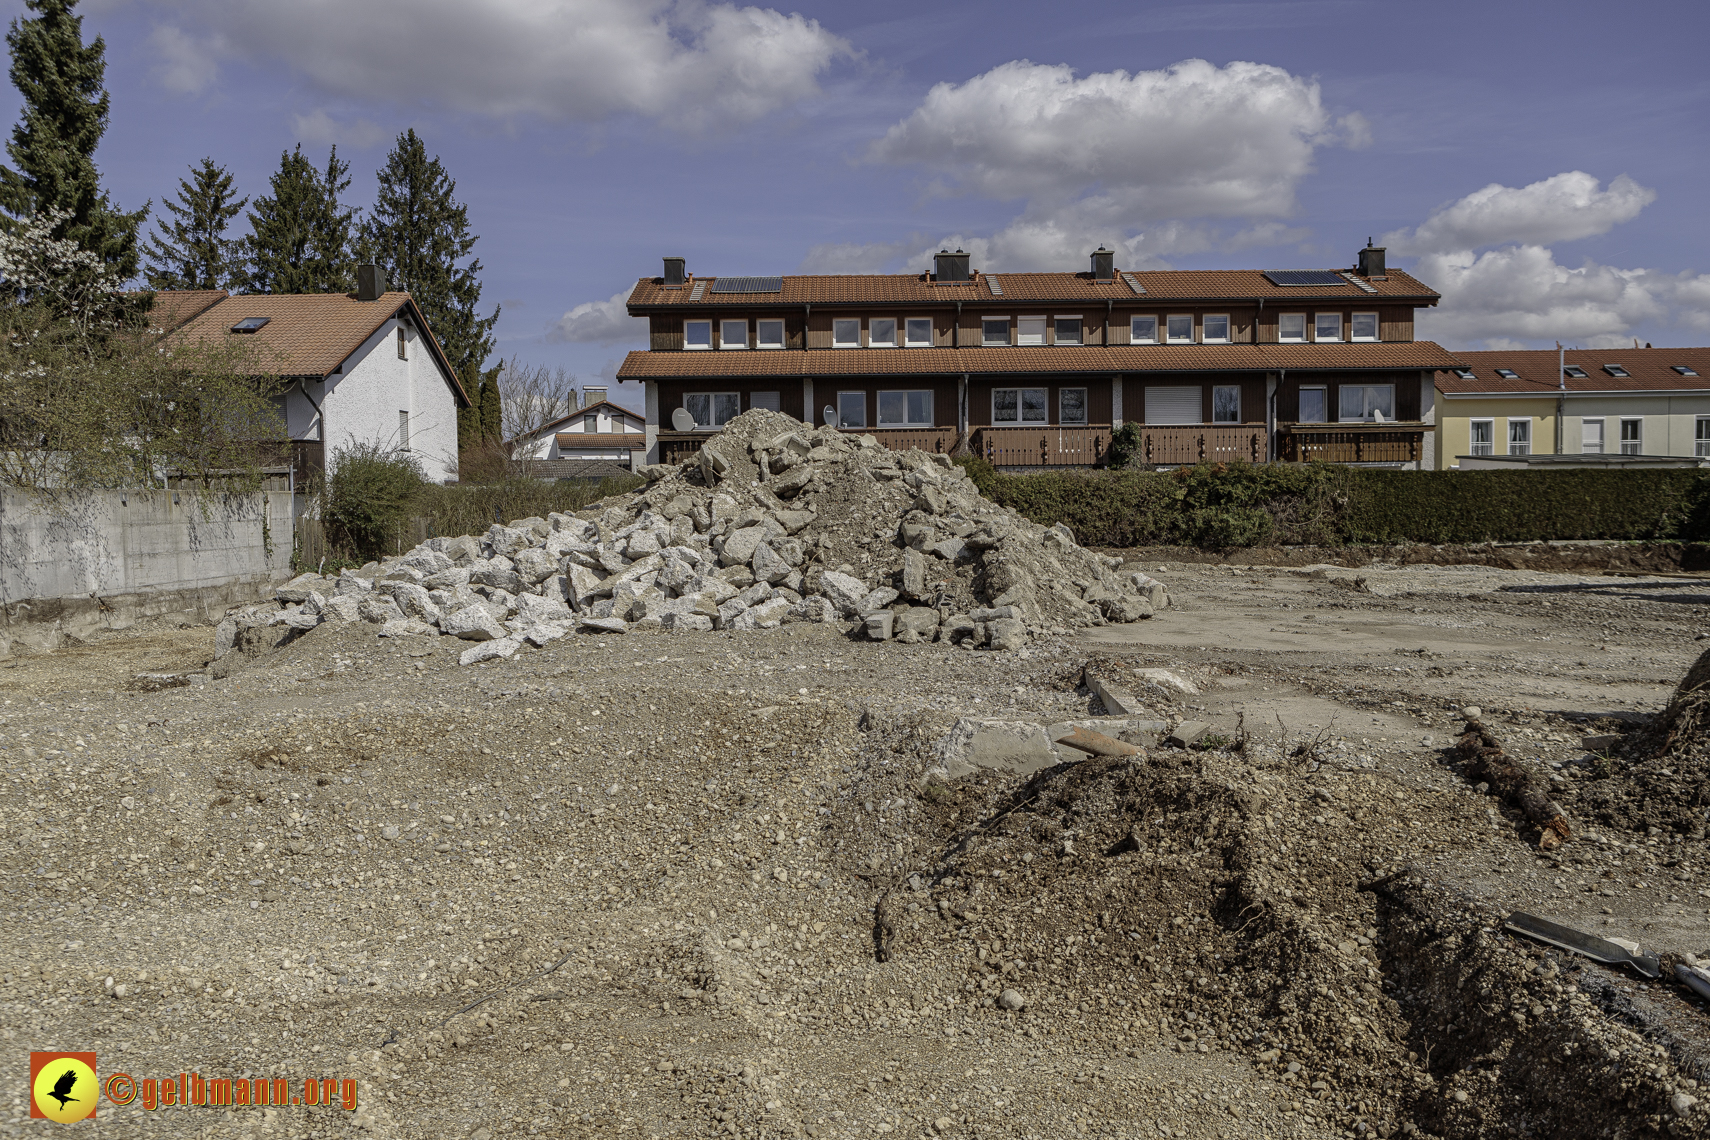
[
  {"x": 308, "y": 334},
  {"x": 1648, "y": 370},
  {"x": 1421, "y": 354},
  {"x": 172, "y": 308},
  {"x": 1163, "y": 285}
]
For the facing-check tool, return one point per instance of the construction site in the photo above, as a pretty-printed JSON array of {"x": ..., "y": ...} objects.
[{"x": 950, "y": 828}]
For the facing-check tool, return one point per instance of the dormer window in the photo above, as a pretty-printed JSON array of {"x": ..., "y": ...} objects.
[
  {"x": 1616, "y": 371},
  {"x": 1574, "y": 372},
  {"x": 250, "y": 324},
  {"x": 1508, "y": 374}
]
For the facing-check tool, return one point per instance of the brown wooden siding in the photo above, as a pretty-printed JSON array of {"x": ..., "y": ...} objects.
[
  {"x": 1288, "y": 395},
  {"x": 944, "y": 396},
  {"x": 1098, "y": 397},
  {"x": 665, "y": 332},
  {"x": 1395, "y": 323},
  {"x": 789, "y": 389}
]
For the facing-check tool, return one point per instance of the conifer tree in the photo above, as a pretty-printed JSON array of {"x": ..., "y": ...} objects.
[
  {"x": 419, "y": 233},
  {"x": 53, "y": 146},
  {"x": 193, "y": 251},
  {"x": 300, "y": 236},
  {"x": 492, "y": 410},
  {"x": 469, "y": 433}
]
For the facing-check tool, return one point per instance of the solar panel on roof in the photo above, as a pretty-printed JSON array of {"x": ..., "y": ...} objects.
[
  {"x": 995, "y": 285},
  {"x": 1304, "y": 277},
  {"x": 748, "y": 285}
]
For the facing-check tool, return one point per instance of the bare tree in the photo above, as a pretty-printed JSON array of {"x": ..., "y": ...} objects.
[{"x": 532, "y": 396}]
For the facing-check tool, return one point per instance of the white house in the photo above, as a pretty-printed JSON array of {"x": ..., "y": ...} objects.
[
  {"x": 598, "y": 440},
  {"x": 362, "y": 367}
]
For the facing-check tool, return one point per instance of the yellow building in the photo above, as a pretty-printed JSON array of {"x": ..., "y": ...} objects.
[{"x": 1639, "y": 403}]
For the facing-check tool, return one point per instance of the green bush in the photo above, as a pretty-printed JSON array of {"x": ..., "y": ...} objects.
[
  {"x": 472, "y": 508},
  {"x": 366, "y": 496}
]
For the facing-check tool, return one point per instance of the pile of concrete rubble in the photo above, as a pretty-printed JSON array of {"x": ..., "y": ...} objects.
[{"x": 772, "y": 522}]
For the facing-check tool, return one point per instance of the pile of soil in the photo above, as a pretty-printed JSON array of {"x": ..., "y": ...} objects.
[{"x": 1660, "y": 777}]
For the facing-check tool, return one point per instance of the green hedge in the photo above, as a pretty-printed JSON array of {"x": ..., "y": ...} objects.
[{"x": 1220, "y": 506}]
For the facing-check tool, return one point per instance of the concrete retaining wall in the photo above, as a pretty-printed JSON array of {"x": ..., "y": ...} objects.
[{"x": 105, "y": 559}]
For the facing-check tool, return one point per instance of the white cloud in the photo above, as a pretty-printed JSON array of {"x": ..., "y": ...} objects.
[
  {"x": 1565, "y": 207},
  {"x": 1100, "y": 157},
  {"x": 320, "y": 129},
  {"x": 690, "y": 64},
  {"x": 853, "y": 256},
  {"x": 600, "y": 322}
]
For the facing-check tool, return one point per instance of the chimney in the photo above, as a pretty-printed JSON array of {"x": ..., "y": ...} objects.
[
  {"x": 1371, "y": 260},
  {"x": 1103, "y": 264},
  {"x": 674, "y": 273},
  {"x": 949, "y": 266},
  {"x": 593, "y": 395},
  {"x": 370, "y": 282}
]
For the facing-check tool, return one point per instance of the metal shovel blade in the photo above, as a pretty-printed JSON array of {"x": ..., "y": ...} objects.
[{"x": 1597, "y": 949}]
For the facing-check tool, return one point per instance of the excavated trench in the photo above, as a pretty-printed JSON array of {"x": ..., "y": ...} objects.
[{"x": 1247, "y": 900}]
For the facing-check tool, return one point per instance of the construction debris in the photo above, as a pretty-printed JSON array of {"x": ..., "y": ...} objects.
[
  {"x": 1607, "y": 951},
  {"x": 1488, "y": 763}
]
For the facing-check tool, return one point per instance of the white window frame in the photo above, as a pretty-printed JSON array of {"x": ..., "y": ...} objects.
[
  {"x": 1365, "y": 419},
  {"x": 1133, "y": 334},
  {"x": 1353, "y": 321},
  {"x": 836, "y": 321},
  {"x": 862, "y": 426},
  {"x": 1282, "y": 336},
  {"x": 403, "y": 430},
  {"x": 895, "y": 330},
  {"x": 1323, "y": 391},
  {"x": 1065, "y": 420},
  {"x": 1216, "y": 388},
  {"x": 1021, "y": 334},
  {"x": 1021, "y": 408},
  {"x": 1602, "y": 434},
  {"x": 1080, "y": 327},
  {"x": 1701, "y": 436},
  {"x": 1638, "y": 442},
  {"x": 1520, "y": 446},
  {"x": 931, "y": 333},
  {"x": 724, "y": 341},
  {"x": 759, "y": 337},
  {"x": 712, "y": 399},
  {"x": 1170, "y": 337},
  {"x": 403, "y": 346},
  {"x": 1317, "y": 323},
  {"x": 908, "y": 411},
  {"x": 985, "y": 337},
  {"x": 1205, "y": 331},
  {"x": 687, "y": 325},
  {"x": 1488, "y": 445}
]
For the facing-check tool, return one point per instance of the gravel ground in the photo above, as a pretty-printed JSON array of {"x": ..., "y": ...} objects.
[{"x": 656, "y": 862}]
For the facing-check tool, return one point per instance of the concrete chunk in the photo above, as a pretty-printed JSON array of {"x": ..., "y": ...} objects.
[
  {"x": 1117, "y": 701},
  {"x": 472, "y": 623},
  {"x": 1188, "y": 733},
  {"x": 1008, "y": 746},
  {"x": 879, "y": 625},
  {"x": 490, "y": 651},
  {"x": 842, "y": 591},
  {"x": 604, "y": 625}
]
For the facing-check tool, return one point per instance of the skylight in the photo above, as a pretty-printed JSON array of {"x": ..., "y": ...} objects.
[
  {"x": 1615, "y": 370},
  {"x": 1684, "y": 370},
  {"x": 250, "y": 324},
  {"x": 1462, "y": 373},
  {"x": 1508, "y": 373},
  {"x": 1304, "y": 277},
  {"x": 1574, "y": 372}
]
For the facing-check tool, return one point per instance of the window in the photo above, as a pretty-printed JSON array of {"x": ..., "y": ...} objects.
[
  {"x": 1483, "y": 437},
  {"x": 1071, "y": 405},
  {"x": 591, "y": 424},
  {"x": 1181, "y": 329},
  {"x": 1367, "y": 402},
  {"x": 882, "y": 332},
  {"x": 1175, "y": 405},
  {"x": 1591, "y": 437},
  {"x": 1215, "y": 329},
  {"x": 1520, "y": 437},
  {"x": 1327, "y": 326},
  {"x": 251, "y": 324},
  {"x": 1508, "y": 374},
  {"x": 1632, "y": 437},
  {"x": 1030, "y": 330},
  {"x": 1312, "y": 405},
  {"x": 852, "y": 409},
  {"x": 712, "y": 409},
  {"x": 905, "y": 409},
  {"x": 919, "y": 332},
  {"x": 1018, "y": 406},
  {"x": 1068, "y": 330},
  {"x": 403, "y": 350},
  {"x": 771, "y": 401},
  {"x": 697, "y": 334},
  {"x": 1616, "y": 371},
  {"x": 1462, "y": 373},
  {"x": 733, "y": 334},
  {"x": 1684, "y": 370},
  {"x": 1291, "y": 328},
  {"x": 1143, "y": 330},
  {"x": 1701, "y": 437},
  {"x": 846, "y": 333},
  {"x": 994, "y": 330},
  {"x": 403, "y": 431},
  {"x": 768, "y": 334},
  {"x": 1226, "y": 404},
  {"x": 1362, "y": 326},
  {"x": 1573, "y": 372}
]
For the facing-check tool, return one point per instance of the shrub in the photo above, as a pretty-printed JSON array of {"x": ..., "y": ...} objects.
[
  {"x": 471, "y": 508},
  {"x": 366, "y": 497}
]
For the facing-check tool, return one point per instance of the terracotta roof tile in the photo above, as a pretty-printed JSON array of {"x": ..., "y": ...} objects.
[
  {"x": 1648, "y": 370},
  {"x": 1165, "y": 285},
  {"x": 1084, "y": 358},
  {"x": 172, "y": 308}
]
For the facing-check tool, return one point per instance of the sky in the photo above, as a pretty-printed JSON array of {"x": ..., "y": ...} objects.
[{"x": 1541, "y": 165}]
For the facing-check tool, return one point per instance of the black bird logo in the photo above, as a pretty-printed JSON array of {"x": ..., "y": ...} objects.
[{"x": 62, "y": 1087}]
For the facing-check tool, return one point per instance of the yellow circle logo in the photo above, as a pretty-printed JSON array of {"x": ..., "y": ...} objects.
[{"x": 66, "y": 1090}]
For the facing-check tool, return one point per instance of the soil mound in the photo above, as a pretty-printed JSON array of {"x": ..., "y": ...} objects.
[{"x": 1660, "y": 776}]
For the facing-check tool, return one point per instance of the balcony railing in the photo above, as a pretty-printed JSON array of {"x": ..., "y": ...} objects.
[
  {"x": 1163, "y": 446},
  {"x": 935, "y": 439},
  {"x": 1352, "y": 443},
  {"x": 1044, "y": 446}
]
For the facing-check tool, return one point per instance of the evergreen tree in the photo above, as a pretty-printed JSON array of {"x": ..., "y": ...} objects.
[
  {"x": 492, "y": 411},
  {"x": 193, "y": 252},
  {"x": 300, "y": 236},
  {"x": 469, "y": 433},
  {"x": 419, "y": 233},
  {"x": 53, "y": 145}
]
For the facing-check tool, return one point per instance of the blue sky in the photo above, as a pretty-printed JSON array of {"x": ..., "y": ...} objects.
[{"x": 1542, "y": 165}]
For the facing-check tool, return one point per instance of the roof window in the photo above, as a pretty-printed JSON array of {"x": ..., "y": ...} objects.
[
  {"x": 1574, "y": 372},
  {"x": 1684, "y": 370},
  {"x": 1462, "y": 373},
  {"x": 1616, "y": 371},
  {"x": 250, "y": 324},
  {"x": 1508, "y": 374}
]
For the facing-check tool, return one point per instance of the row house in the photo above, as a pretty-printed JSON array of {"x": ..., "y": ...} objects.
[{"x": 1038, "y": 369}]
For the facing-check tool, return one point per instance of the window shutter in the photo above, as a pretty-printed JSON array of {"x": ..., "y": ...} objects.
[{"x": 1174, "y": 406}]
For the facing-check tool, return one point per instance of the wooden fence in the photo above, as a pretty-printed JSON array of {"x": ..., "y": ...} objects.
[{"x": 1043, "y": 446}]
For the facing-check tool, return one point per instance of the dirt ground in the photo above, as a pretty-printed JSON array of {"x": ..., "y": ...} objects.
[{"x": 704, "y": 885}]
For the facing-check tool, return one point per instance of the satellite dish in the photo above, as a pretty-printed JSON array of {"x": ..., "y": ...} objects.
[
  {"x": 682, "y": 420},
  {"x": 831, "y": 416}
]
